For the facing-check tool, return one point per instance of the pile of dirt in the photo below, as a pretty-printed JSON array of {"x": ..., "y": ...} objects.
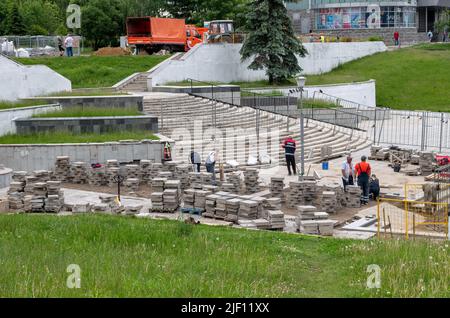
[{"x": 112, "y": 51}]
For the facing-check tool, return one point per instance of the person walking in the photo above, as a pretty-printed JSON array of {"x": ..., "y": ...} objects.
[
  {"x": 348, "y": 172},
  {"x": 196, "y": 161},
  {"x": 430, "y": 35},
  {"x": 290, "y": 145},
  {"x": 210, "y": 164},
  {"x": 61, "y": 46},
  {"x": 397, "y": 38},
  {"x": 68, "y": 42},
  {"x": 363, "y": 171}
]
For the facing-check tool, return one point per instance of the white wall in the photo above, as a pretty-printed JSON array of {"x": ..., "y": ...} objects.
[
  {"x": 7, "y": 116},
  {"x": 20, "y": 81},
  {"x": 363, "y": 93},
  {"x": 222, "y": 62}
]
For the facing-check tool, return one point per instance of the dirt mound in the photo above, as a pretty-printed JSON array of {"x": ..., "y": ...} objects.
[{"x": 112, "y": 51}]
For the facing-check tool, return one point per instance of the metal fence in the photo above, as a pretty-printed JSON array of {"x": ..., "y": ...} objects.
[{"x": 37, "y": 43}]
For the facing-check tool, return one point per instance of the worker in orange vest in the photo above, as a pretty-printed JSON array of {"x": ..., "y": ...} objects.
[{"x": 363, "y": 172}]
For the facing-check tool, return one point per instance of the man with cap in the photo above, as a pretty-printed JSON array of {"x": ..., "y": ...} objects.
[
  {"x": 290, "y": 145},
  {"x": 348, "y": 172},
  {"x": 363, "y": 171}
]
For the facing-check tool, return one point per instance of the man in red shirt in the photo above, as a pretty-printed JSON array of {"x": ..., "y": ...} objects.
[
  {"x": 363, "y": 171},
  {"x": 290, "y": 145},
  {"x": 396, "y": 38}
]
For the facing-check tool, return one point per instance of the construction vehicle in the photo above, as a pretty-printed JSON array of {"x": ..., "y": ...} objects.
[
  {"x": 155, "y": 34},
  {"x": 221, "y": 31}
]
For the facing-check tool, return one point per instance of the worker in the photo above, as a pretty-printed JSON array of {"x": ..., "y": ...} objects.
[
  {"x": 68, "y": 42},
  {"x": 210, "y": 164},
  {"x": 289, "y": 146},
  {"x": 195, "y": 161},
  {"x": 374, "y": 187},
  {"x": 363, "y": 171},
  {"x": 348, "y": 172}
]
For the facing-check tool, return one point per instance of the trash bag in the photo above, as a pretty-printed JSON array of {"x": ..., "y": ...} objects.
[{"x": 252, "y": 160}]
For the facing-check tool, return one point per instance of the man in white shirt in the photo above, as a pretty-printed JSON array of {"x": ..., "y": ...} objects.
[
  {"x": 68, "y": 42},
  {"x": 210, "y": 164},
  {"x": 348, "y": 172}
]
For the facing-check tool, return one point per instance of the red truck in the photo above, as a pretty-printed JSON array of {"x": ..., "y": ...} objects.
[{"x": 155, "y": 34}]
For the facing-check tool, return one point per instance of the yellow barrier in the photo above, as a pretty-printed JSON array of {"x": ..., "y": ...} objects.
[{"x": 410, "y": 217}]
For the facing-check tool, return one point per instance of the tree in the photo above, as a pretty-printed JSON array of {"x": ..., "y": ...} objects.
[
  {"x": 271, "y": 41},
  {"x": 3, "y": 14},
  {"x": 41, "y": 17},
  {"x": 102, "y": 22},
  {"x": 14, "y": 21}
]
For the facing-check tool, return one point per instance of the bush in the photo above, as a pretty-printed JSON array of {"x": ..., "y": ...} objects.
[
  {"x": 346, "y": 39},
  {"x": 376, "y": 39}
]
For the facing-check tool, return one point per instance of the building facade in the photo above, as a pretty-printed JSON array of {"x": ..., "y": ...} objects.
[{"x": 364, "y": 19}]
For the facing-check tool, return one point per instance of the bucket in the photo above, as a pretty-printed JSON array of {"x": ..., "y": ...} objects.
[{"x": 325, "y": 165}]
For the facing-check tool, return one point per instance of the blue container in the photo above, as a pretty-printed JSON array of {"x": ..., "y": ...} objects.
[{"x": 325, "y": 165}]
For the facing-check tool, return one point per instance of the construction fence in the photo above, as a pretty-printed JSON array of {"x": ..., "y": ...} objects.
[{"x": 411, "y": 219}]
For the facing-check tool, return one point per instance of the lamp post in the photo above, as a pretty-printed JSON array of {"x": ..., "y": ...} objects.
[{"x": 301, "y": 83}]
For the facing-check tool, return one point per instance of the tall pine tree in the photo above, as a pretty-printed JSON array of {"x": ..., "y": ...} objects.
[
  {"x": 14, "y": 21},
  {"x": 271, "y": 41}
]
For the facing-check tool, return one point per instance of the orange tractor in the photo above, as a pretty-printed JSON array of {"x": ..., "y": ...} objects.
[{"x": 155, "y": 34}]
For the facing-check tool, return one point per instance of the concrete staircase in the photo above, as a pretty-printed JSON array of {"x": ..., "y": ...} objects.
[
  {"x": 138, "y": 83},
  {"x": 191, "y": 122}
]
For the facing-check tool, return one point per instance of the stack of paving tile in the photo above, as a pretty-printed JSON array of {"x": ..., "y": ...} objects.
[
  {"x": 171, "y": 200},
  {"x": 19, "y": 176},
  {"x": 111, "y": 172},
  {"x": 133, "y": 171},
  {"x": 415, "y": 159},
  {"x": 144, "y": 171},
  {"x": 101, "y": 208},
  {"x": 247, "y": 224},
  {"x": 272, "y": 204},
  {"x": 353, "y": 197},
  {"x": 112, "y": 163},
  {"x": 333, "y": 187},
  {"x": 155, "y": 169},
  {"x": 29, "y": 184},
  {"x": 27, "y": 203},
  {"x": 189, "y": 198},
  {"x": 165, "y": 174},
  {"x": 221, "y": 207},
  {"x": 262, "y": 224},
  {"x": 42, "y": 175},
  {"x": 206, "y": 177},
  {"x": 227, "y": 187},
  {"x": 132, "y": 185},
  {"x": 16, "y": 196},
  {"x": 235, "y": 179},
  {"x": 195, "y": 180},
  {"x": 182, "y": 173},
  {"x": 200, "y": 199},
  {"x": 79, "y": 173},
  {"x": 318, "y": 227},
  {"x": 277, "y": 186},
  {"x": 309, "y": 191},
  {"x": 276, "y": 219},
  {"x": 379, "y": 153},
  {"x": 97, "y": 177},
  {"x": 329, "y": 201},
  {"x": 295, "y": 195},
  {"x": 304, "y": 213},
  {"x": 210, "y": 188},
  {"x": 248, "y": 210},
  {"x": 157, "y": 199},
  {"x": 426, "y": 160},
  {"x": 232, "y": 206},
  {"x": 62, "y": 168},
  {"x": 262, "y": 214},
  {"x": 55, "y": 197},
  {"x": 133, "y": 210},
  {"x": 108, "y": 204},
  {"x": 170, "y": 166},
  {"x": 210, "y": 206},
  {"x": 251, "y": 176},
  {"x": 158, "y": 184}
]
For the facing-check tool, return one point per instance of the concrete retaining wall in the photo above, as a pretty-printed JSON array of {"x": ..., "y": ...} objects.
[
  {"x": 7, "y": 116},
  {"x": 363, "y": 93},
  {"x": 21, "y": 81},
  {"x": 86, "y": 124},
  {"x": 222, "y": 62},
  {"x": 224, "y": 93},
  {"x": 98, "y": 101},
  {"x": 42, "y": 157},
  {"x": 5, "y": 177}
]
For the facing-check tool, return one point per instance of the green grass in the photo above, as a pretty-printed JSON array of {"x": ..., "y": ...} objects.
[
  {"x": 21, "y": 104},
  {"x": 316, "y": 103},
  {"x": 87, "y": 93},
  {"x": 96, "y": 71},
  {"x": 127, "y": 257},
  {"x": 413, "y": 78},
  {"x": 63, "y": 137},
  {"x": 91, "y": 112}
]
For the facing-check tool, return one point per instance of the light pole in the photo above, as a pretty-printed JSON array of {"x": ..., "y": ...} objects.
[{"x": 301, "y": 83}]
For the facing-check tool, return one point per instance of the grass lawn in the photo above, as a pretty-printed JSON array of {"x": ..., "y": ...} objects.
[
  {"x": 128, "y": 257},
  {"x": 63, "y": 137},
  {"x": 91, "y": 112},
  {"x": 21, "y": 104},
  {"x": 96, "y": 71},
  {"x": 413, "y": 78},
  {"x": 88, "y": 93}
]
